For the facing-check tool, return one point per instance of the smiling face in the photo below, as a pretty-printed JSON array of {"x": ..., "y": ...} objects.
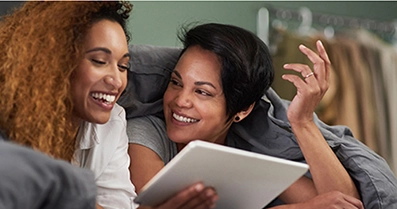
[
  {"x": 194, "y": 103},
  {"x": 101, "y": 76}
]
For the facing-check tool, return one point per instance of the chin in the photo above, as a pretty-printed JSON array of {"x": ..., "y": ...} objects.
[
  {"x": 101, "y": 120},
  {"x": 181, "y": 139},
  {"x": 177, "y": 138}
]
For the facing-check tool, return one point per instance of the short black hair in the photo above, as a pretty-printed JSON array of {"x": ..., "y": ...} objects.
[{"x": 247, "y": 69}]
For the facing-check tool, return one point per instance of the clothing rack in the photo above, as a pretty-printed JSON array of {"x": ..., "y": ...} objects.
[
  {"x": 303, "y": 21},
  {"x": 274, "y": 17}
]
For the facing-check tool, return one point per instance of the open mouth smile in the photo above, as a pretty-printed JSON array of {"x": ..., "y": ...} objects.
[
  {"x": 105, "y": 98},
  {"x": 184, "y": 119}
]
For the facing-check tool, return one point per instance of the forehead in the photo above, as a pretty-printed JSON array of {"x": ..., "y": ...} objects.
[
  {"x": 201, "y": 63},
  {"x": 106, "y": 32}
]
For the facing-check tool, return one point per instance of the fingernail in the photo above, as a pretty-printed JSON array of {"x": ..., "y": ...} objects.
[
  {"x": 199, "y": 187},
  {"x": 215, "y": 198},
  {"x": 209, "y": 193},
  {"x": 302, "y": 46}
]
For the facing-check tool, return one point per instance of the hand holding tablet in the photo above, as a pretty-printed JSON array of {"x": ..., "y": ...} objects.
[{"x": 242, "y": 179}]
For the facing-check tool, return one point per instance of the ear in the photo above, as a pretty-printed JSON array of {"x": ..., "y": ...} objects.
[{"x": 243, "y": 114}]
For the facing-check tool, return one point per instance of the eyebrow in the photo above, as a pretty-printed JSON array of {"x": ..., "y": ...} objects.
[
  {"x": 198, "y": 83},
  {"x": 106, "y": 50}
]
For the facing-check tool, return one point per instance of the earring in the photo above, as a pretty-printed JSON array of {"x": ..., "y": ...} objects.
[{"x": 237, "y": 118}]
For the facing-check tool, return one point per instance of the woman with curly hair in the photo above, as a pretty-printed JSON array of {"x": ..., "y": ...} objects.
[{"x": 63, "y": 65}]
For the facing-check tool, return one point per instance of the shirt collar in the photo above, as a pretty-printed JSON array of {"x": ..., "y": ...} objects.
[{"x": 87, "y": 136}]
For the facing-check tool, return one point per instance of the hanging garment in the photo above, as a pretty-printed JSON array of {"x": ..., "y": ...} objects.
[
  {"x": 388, "y": 75},
  {"x": 286, "y": 51},
  {"x": 342, "y": 109}
]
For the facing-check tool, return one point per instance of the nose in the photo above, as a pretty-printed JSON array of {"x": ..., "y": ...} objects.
[
  {"x": 114, "y": 78},
  {"x": 183, "y": 99}
]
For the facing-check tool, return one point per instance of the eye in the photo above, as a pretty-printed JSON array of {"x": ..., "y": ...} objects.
[
  {"x": 202, "y": 92},
  {"x": 123, "y": 68},
  {"x": 175, "y": 82},
  {"x": 98, "y": 62}
]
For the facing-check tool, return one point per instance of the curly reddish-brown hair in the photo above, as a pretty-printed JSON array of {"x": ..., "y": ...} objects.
[{"x": 41, "y": 45}]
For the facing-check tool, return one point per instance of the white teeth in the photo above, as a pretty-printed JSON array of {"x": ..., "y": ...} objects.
[
  {"x": 108, "y": 98},
  {"x": 183, "y": 119}
]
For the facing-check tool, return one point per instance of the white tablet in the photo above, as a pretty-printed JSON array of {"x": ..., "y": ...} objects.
[{"x": 242, "y": 179}]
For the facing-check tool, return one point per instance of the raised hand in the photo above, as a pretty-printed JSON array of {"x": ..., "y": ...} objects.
[{"x": 311, "y": 87}]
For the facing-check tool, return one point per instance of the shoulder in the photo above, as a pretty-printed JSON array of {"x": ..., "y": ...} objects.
[
  {"x": 150, "y": 131},
  {"x": 145, "y": 128}
]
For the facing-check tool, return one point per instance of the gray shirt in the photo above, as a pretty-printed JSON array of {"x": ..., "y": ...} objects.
[{"x": 149, "y": 131}]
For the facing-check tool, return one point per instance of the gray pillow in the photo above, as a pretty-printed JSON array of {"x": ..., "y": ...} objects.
[{"x": 148, "y": 77}]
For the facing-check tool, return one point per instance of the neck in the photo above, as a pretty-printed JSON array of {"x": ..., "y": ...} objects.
[
  {"x": 220, "y": 140},
  {"x": 76, "y": 123}
]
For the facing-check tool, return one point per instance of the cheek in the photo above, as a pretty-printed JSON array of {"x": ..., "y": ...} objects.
[
  {"x": 75, "y": 83},
  {"x": 82, "y": 75},
  {"x": 216, "y": 110},
  {"x": 167, "y": 98},
  {"x": 124, "y": 81}
]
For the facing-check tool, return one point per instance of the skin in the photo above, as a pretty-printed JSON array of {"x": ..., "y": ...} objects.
[
  {"x": 103, "y": 71},
  {"x": 195, "y": 93}
]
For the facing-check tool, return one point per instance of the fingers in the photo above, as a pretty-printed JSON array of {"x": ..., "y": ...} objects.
[
  {"x": 321, "y": 67},
  {"x": 327, "y": 63},
  {"x": 354, "y": 201},
  {"x": 205, "y": 200},
  {"x": 182, "y": 197},
  {"x": 323, "y": 54},
  {"x": 304, "y": 70},
  {"x": 309, "y": 78},
  {"x": 321, "y": 62},
  {"x": 195, "y": 196}
]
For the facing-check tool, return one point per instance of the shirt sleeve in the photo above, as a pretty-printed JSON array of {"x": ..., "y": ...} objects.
[
  {"x": 150, "y": 131},
  {"x": 30, "y": 179}
]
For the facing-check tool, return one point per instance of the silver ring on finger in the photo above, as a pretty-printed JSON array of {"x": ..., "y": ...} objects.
[{"x": 308, "y": 75}]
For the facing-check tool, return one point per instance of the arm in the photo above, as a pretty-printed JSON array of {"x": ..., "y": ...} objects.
[
  {"x": 328, "y": 200},
  {"x": 327, "y": 172},
  {"x": 144, "y": 165}
]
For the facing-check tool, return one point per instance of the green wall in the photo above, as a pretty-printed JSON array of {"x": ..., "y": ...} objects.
[{"x": 156, "y": 22}]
